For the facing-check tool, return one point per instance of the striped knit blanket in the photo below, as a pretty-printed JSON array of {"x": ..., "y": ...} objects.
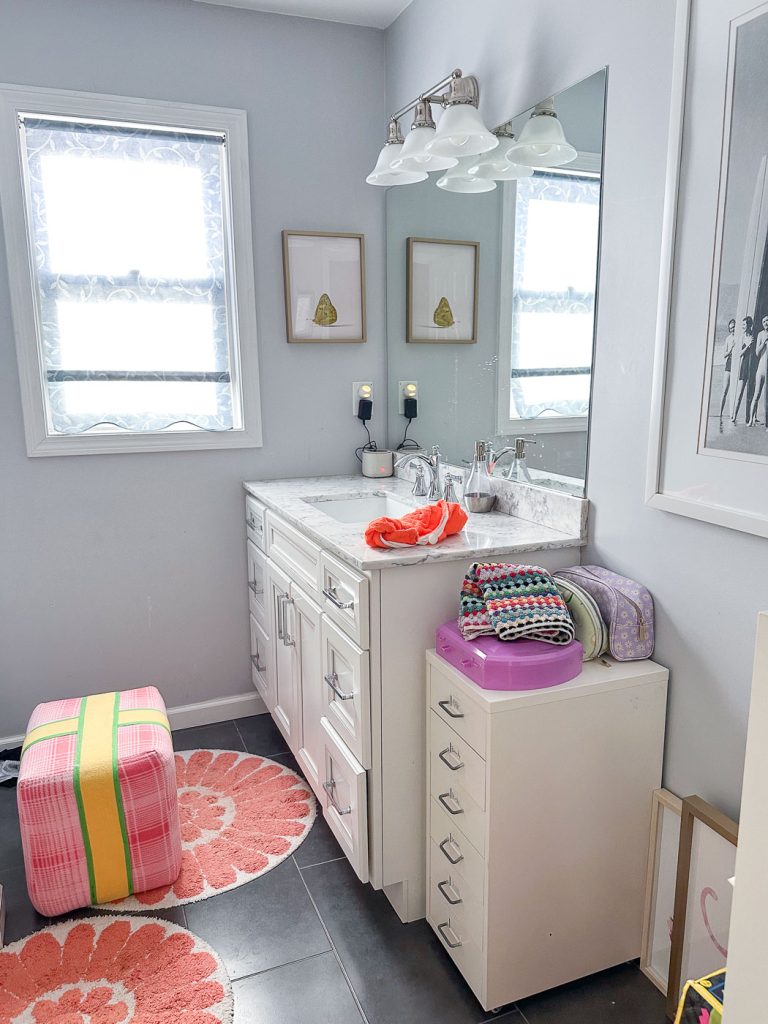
[{"x": 513, "y": 602}]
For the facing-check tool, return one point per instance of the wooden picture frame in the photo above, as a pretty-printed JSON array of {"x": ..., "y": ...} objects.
[
  {"x": 324, "y": 281},
  {"x": 696, "y": 811},
  {"x": 434, "y": 317},
  {"x": 655, "y": 946}
]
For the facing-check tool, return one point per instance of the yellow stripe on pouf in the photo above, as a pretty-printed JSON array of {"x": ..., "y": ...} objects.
[
  {"x": 143, "y": 716},
  {"x": 99, "y": 799},
  {"x": 50, "y": 731}
]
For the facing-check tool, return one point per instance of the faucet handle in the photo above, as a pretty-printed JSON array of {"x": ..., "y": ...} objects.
[
  {"x": 449, "y": 494},
  {"x": 420, "y": 485}
]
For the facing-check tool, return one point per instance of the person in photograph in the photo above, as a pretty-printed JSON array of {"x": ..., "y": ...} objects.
[
  {"x": 730, "y": 342},
  {"x": 761, "y": 368},
  {"x": 746, "y": 367}
]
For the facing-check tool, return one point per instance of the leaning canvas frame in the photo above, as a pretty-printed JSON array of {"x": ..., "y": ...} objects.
[
  {"x": 660, "y": 883},
  {"x": 466, "y": 336},
  {"x": 703, "y": 493}
]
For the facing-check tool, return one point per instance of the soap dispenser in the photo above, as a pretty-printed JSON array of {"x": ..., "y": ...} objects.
[
  {"x": 477, "y": 490},
  {"x": 518, "y": 469}
]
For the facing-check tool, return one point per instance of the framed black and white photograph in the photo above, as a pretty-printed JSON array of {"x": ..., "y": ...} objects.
[
  {"x": 708, "y": 452},
  {"x": 441, "y": 301},
  {"x": 324, "y": 277}
]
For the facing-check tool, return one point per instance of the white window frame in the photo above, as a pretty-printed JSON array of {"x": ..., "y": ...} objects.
[
  {"x": 15, "y": 100},
  {"x": 505, "y": 423}
]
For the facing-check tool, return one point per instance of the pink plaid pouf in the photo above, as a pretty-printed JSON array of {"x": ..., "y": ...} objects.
[{"x": 97, "y": 799}]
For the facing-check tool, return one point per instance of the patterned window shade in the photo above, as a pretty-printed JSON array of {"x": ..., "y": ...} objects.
[
  {"x": 555, "y": 270},
  {"x": 130, "y": 240}
]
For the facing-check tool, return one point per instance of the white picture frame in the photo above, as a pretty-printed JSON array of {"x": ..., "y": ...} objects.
[
  {"x": 324, "y": 275},
  {"x": 684, "y": 475},
  {"x": 656, "y": 944},
  {"x": 441, "y": 300}
]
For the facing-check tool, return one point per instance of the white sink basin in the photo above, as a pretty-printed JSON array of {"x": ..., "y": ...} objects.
[{"x": 361, "y": 508}]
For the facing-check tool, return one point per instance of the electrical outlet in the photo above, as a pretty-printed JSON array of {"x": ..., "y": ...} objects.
[
  {"x": 406, "y": 389},
  {"x": 361, "y": 389}
]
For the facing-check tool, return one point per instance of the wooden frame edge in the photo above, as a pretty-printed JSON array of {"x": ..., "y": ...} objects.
[{"x": 662, "y": 799}]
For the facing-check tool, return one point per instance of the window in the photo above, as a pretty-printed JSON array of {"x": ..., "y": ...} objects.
[
  {"x": 556, "y": 225},
  {"x": 130, "y": 317}
]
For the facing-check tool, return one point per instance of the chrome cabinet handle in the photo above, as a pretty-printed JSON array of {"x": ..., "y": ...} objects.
[
  {"x": 448, "y": 840},
  {"x": 288, "y": 640},
  {"x": 332, "y": 680},
  {"x": 453, "y": 765},
  {"x": 443, "y": 886},
  {"x": 447, "y": 705},
  {"x": 254, "y": 525},
  {"x": 256, "y": 665},
  {"x": 330, "y": 788},
  {"x": 280, "y": 626},
  {"x": 255, "y": 589},
  {"x": 444, "y": 799},
  {"x": 446, "y": 925},
  {"x": 333, "y": 597}
]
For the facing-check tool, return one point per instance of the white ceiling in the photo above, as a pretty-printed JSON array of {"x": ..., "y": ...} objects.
[{"x": 375, "y": 13}]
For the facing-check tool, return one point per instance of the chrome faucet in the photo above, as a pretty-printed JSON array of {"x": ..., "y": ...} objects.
[{"x": 432, "y": 463}]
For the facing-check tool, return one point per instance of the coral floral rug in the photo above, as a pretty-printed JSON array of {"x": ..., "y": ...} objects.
[
  {"x": 106, "y": 970},
  {"x": 241, "y": 815}
]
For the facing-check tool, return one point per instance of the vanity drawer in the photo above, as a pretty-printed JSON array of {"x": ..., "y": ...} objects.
[
  {"x": 255, "y": 516},
  {"x": 448, "y": 898},
  {"x": 346, "y": 800},
  {"x": 455, "y": 849},
  {"x": 346, "y": 690},
  {"x": 345, "y": 597},
  {"x": 461, "y": 713},
  {"x": 262, "y": 670},
  {"x": 257, "y": 569},
  {"x": 449, "y": 752},
  {"x": 294, "y": 553},
  {"x": 458, "y": 804}
]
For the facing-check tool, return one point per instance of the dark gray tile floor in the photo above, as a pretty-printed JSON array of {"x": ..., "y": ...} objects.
[{"x": 307, "y": 941}]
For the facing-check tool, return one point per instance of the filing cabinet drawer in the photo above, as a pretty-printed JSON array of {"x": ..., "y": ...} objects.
[
  {"x": 462, "y": 714},
  {"x": 450, "y": 752},
  {"x": 465, "y": 951},
  {"x": 453, "y": 892},
  {"x": 344, "y": 782},
  {"x": 257, "y": 599},
  {"x": 262, "y": 669},
  {"x": 459, "y": 805},
  {"x": 454, "y": 847},
  {"x": 294, "y": 553},
  {"x": 255, "y": 515},
  {"x": 346, "y": 690},
  {"x": 345, "y": 598}
]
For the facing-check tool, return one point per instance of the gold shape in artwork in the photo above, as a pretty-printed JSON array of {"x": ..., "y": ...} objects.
[
  {"x": 325, "y": 314},
  {"x": 443, "y": 315}
]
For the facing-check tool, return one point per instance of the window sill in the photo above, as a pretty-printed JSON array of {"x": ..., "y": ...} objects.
[
  {"x": 544, "y": 425},
  {"x": 112, "y": 444}
]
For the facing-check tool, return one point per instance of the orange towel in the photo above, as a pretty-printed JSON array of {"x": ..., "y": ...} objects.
[{"x": 426, "y": 525}]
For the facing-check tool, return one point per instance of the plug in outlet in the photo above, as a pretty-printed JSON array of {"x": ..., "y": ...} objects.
[
  {"x": 361, "y": 389},
  {"x": 406, "y": 389}
]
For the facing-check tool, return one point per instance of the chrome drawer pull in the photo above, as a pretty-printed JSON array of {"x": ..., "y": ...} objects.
[
  {"x": 453, "y": 765},
  {"x": 256, "y": 665},
  {"x": 332, "y": 680},
  {"x": 255, "y": 589},
  {"x": 447, "y": 705},
  {"x": 447, "y": 925},
  {"x": 442, "y": 886},
  {"x": 329, "y": 788},
  {"x": 333, "y": 597},
  {"x": 254, "y": 525},
  {"x": 444, "y": 799},
  {"x": 447, "y": 855},
  {"x": 287, "y": 639}
]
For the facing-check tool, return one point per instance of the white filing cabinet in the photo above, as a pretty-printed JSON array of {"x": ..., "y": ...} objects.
[{"x": 538, "y": 809}]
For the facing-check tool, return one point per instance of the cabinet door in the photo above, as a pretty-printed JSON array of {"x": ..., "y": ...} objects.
[
  {"x": 286, "y": 675},
  {"x": 306, "y": 618}
]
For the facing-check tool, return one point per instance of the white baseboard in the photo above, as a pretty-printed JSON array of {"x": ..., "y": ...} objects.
[{"x": 205, "y": 712}]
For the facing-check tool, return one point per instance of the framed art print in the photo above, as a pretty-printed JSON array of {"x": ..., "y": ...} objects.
[
  {"x": 656, "y": 944},
  {"x": 324, "y": 286},
  {"x": 442, "y": 282}
]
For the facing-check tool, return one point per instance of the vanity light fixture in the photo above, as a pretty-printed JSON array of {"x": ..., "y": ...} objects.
[
  {"x": 542, "y": 141},
  {"x": 413, "y": 156},
  {"x": 383, "y": 173},
  {"x": 495, "y": 164},
  {"x": 458, "y": 179},
  {"x": 461, "y": 131}
]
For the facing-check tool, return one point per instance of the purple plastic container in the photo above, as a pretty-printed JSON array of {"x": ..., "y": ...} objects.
[{"x": 495, "y": 664}]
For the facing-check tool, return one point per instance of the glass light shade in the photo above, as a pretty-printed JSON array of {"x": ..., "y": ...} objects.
[
  {"x": 383, "y": 173},
  {"x": 456, "y": 179},
  {"x": 498, "y": 168},
  {"x": 460, "y": 133},
  {"x": 414, "y": 156},
  {"x": 542, "y": 141}
]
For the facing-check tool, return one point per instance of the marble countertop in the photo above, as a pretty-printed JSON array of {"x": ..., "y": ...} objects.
[{"x": 485, "y": 535}]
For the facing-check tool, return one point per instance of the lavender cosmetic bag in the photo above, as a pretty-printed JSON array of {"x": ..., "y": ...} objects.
[{"x": 626, "y": 606}]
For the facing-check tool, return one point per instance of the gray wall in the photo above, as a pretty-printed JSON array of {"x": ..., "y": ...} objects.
[
  {"x": 119, "y": 570},
  {"x": 709, "y": 583}
]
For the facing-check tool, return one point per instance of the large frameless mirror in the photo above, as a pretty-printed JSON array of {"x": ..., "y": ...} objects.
[{"x": 491, "y": 294}]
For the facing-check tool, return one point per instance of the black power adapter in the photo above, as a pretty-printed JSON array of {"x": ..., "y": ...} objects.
[
  {"x": 364, "y": 409},
  {"x": 410, "y": 408}
]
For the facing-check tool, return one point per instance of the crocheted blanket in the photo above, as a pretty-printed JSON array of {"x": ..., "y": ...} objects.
[{"x": 513, "y": 602}]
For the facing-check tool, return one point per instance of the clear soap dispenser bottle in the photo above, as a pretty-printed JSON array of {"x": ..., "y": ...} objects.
[
  {"x": 518, "y": 469},
  {"x": 477, "y": 490}
]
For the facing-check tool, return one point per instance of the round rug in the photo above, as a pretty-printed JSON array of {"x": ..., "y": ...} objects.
[
  {"x": 106, "y": 970},
  {"x": 241, "y": 815}
]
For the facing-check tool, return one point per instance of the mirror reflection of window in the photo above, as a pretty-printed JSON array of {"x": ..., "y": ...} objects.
[{"x": 553, "y": 299}]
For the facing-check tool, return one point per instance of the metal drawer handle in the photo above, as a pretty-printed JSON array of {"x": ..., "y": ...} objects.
[
  {"x": 256, "y": 665},
  {"x": 447, "y": 855},
  {"x": 254, "y": 587},
  {"x": 454, "y": 765},
  {"x": 447, "y": 884},
  {"x": 287, "y": 639},
  {"x": 254, "y": 525},
  {"x": 333, "y": 597},
  {"x": 333, "y": 681},
  {"x": 442, "y": 929},
  {"x": 444, "y": 799},
  {"x": 330, "y": 788},
  {"x": 280, "y": 627},
  {"x": 448, "y": 705}
]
